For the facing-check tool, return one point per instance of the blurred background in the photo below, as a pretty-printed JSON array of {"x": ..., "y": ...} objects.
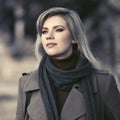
[{"x": 101, "y": 19}]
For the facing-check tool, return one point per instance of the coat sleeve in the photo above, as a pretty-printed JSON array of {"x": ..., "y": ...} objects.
[
  {"x": 20, "y": 101},
  {"x": 111, "y": 98}
]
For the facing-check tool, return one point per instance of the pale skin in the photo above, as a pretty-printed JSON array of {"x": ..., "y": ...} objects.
[{"x": 56, "y": 38}]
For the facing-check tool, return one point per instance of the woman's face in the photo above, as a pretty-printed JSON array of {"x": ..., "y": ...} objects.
[{"x": 56, "y": 37}]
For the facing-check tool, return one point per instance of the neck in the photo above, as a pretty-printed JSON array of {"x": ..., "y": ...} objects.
[{"x": 67, "y": 63}]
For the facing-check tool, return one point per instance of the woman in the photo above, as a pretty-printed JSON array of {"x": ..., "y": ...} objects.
[{"x": 67, "y": 84}]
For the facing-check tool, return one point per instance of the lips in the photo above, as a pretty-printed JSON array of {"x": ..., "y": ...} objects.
[{"x": 50, "y": 45}]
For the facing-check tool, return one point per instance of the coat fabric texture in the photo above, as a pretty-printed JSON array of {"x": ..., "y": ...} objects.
[{"x": 105, "y": 93}]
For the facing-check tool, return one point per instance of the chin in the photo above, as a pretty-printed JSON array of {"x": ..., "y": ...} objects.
[{"x": 52, "y": 55}]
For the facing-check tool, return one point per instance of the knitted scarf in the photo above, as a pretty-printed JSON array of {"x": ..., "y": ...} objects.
[{"x": 51, "y": 77}]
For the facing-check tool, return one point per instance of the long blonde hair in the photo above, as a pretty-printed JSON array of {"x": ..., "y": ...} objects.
[{"x": 75, "y": 26}]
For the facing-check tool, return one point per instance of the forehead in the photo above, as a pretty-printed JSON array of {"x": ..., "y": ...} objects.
[{"x": 54, "y": 20}]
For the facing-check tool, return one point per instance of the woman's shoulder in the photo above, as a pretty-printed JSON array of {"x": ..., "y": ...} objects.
[
  {"x": 103, "y": 73},
  {"x": 29, "y": 74},
  {"x": 29, "y": 81},
  {"x": 105, "y": 79}
]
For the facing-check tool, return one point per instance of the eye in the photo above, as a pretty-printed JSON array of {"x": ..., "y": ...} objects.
[
  {"x": 44, "y": 31},
  {"x": 59, "y": 29}
]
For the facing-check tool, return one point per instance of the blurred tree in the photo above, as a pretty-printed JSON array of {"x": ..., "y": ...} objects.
[
  {"x": 7, "y": 19},
  {"x": 32, "y": 11},
  {"x": 83, "y": 7},
  {"x": 103, "y": 32}
]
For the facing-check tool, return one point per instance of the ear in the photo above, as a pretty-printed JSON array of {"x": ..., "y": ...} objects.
[{"x": 74, "y": 41}]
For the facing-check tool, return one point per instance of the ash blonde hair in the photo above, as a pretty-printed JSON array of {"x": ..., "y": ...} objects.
[{"x": 75, "y": 26}]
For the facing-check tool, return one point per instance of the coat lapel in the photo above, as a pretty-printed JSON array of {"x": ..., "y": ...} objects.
[
  {"x": 74, "y": 107},
  {"x": 35, "y": 109}
]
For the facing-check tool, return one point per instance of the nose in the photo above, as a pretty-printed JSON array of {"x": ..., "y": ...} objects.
[{"x": 50, "y": 36}]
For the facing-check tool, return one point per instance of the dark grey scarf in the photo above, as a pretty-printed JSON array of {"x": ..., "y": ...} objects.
[{"x": 51, "y": 77}]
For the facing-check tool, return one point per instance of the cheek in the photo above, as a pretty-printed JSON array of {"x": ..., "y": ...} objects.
[
  {"x": 42, "y": 41},
  {"x": 43, "y": 44},
  {"x": 67, "y": 40},
  {"x": 66, "y": 43}
]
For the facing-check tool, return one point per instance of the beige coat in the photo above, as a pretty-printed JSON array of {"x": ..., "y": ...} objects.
[{"x": 74, "y": 107}]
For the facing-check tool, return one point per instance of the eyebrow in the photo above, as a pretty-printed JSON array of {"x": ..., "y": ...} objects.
[{"x": 54, "y": 26}]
